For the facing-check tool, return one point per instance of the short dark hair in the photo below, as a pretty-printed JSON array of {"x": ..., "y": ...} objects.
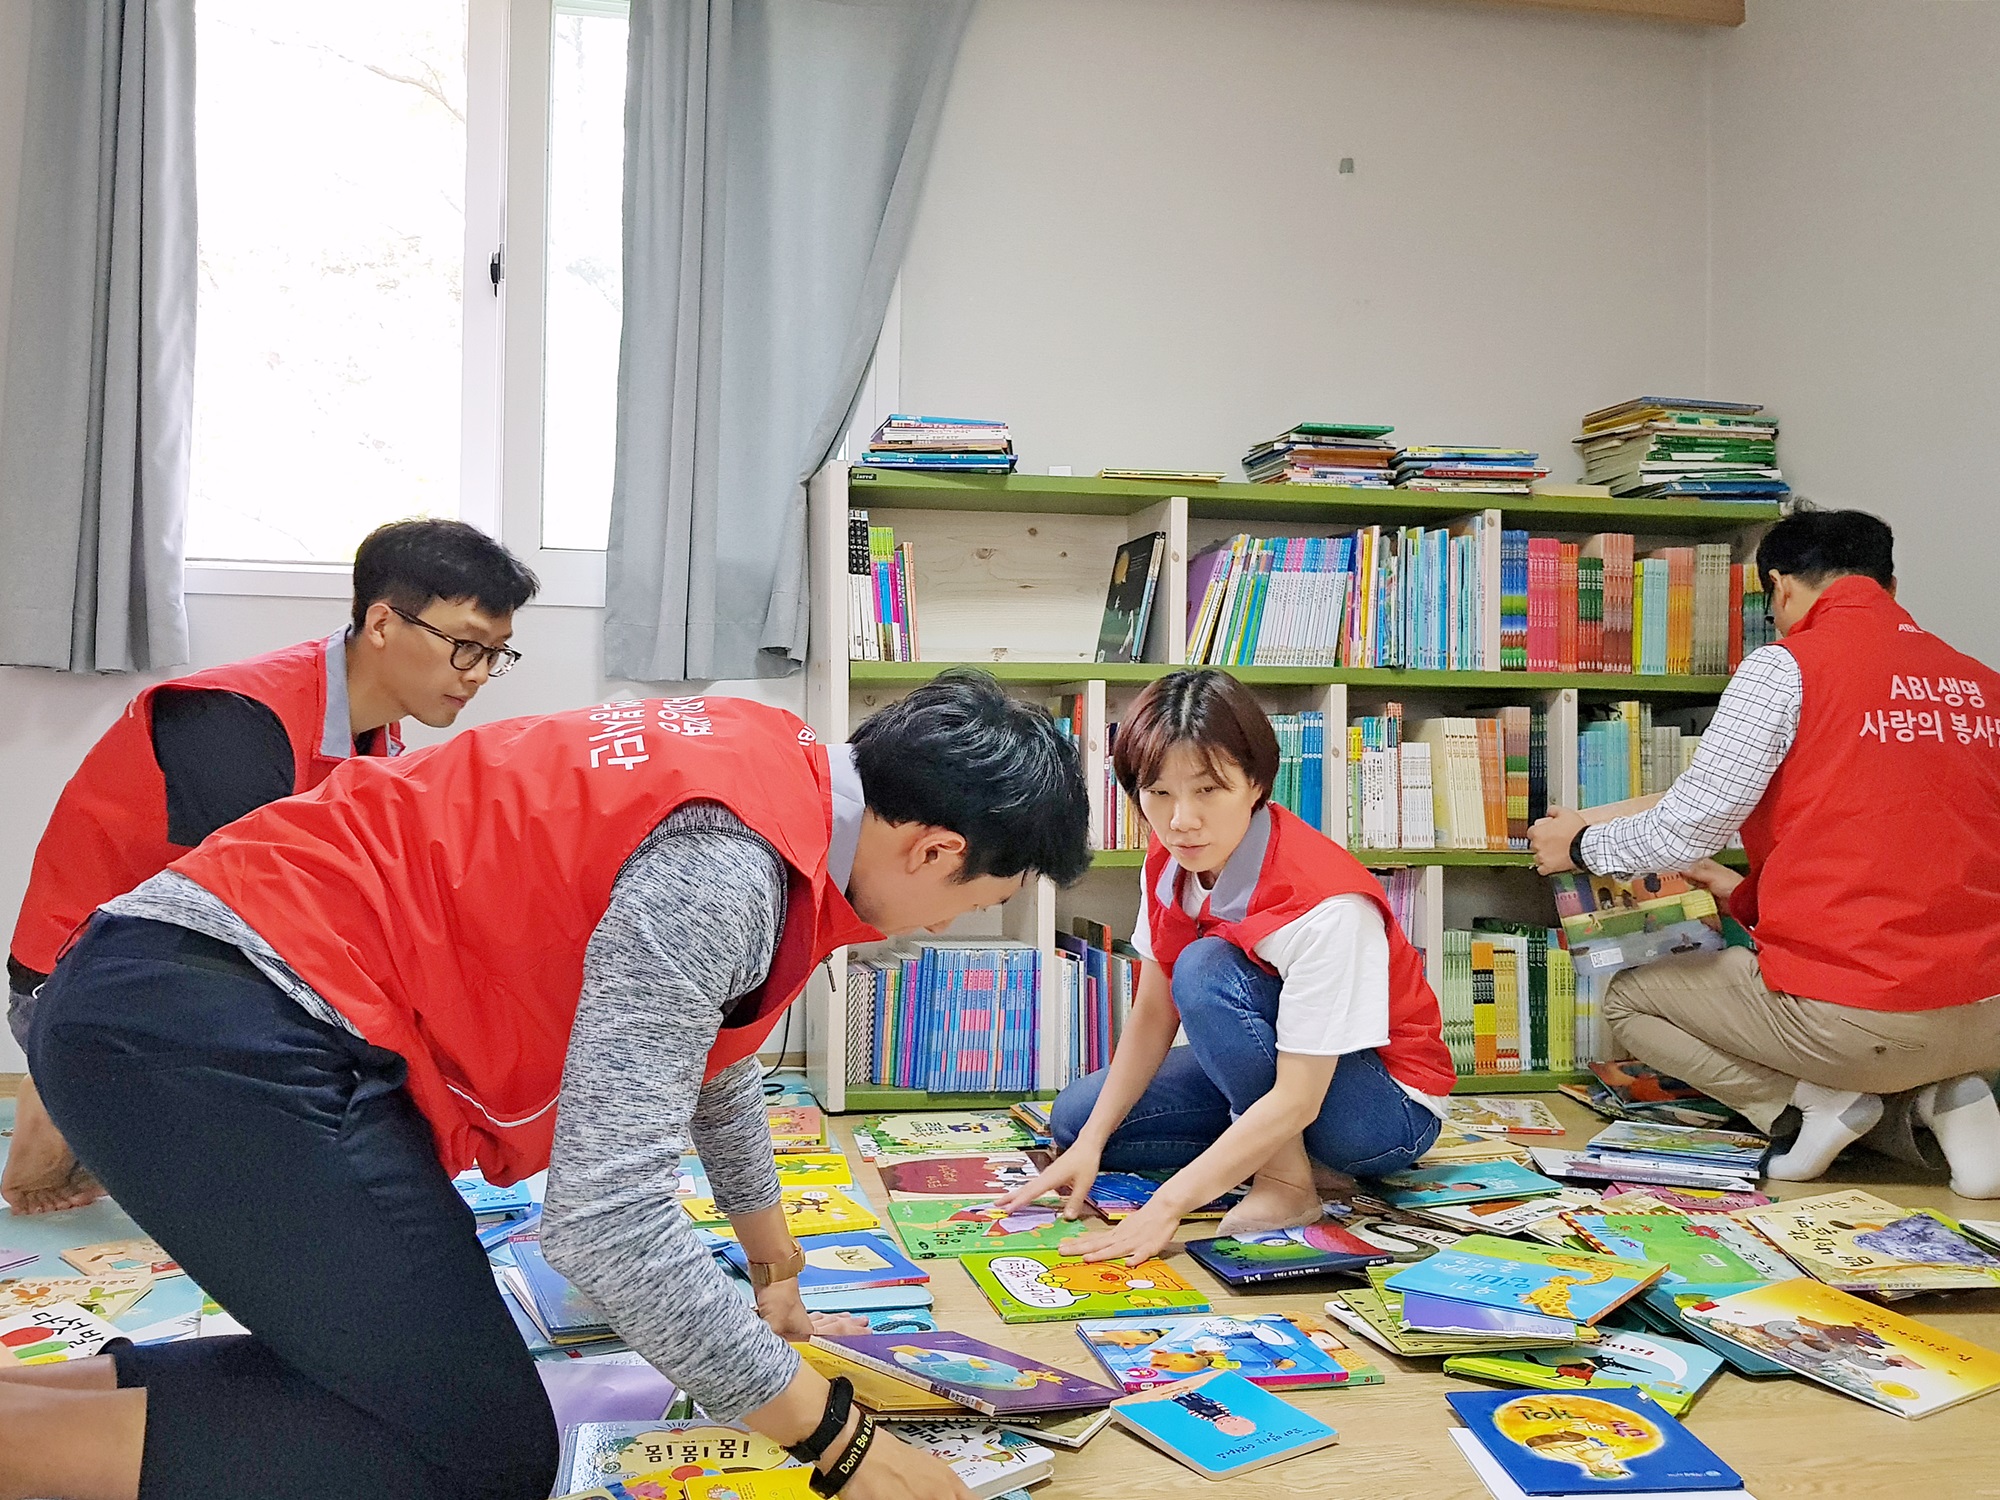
[
  {"x": 960, "y": 754},
  {"x": 1208, "y": 711},
  {"x": 1815, "y": 545},
  {"x": 411, "y": 564}
]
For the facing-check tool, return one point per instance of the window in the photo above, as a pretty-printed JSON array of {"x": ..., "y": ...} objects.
[
  {"x": 331, "y": 162},
  {"x": 580, "y": 317}
]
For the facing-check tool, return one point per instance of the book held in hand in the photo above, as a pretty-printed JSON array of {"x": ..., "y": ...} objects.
[
  {"x": 1278, "y": 1351},
  {"x": 997, "y": 1382},
  {"x": 1220, "y": 1425},
  {"x": 1045, "y": 1286},
  {"x": 1609, "y": 1442}
]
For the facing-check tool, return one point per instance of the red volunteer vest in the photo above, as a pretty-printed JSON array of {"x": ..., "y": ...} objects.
[
  {"x": 108, "y": 832},
  {"x": 442, "y": 902},
  {"x": 1300, "y": 869},
  {"x": 1875, "y": 852}
]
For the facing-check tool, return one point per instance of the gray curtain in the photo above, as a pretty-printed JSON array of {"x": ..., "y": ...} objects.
[
  {"x": 774, "y": 150},
  {"x": 96, "y": 410}
]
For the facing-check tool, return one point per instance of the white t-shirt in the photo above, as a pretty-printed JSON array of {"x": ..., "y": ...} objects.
[{"x": 1333, "y": 968}]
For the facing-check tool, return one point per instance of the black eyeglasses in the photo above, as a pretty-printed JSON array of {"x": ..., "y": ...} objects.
[{"x": 465, "y": 655}]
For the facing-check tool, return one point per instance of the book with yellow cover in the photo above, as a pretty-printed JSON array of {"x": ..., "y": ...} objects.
[
  {"x": 814, "y": 1169},
  {"x": 880, "y": 1393},
  {"x": 807, "y": 1211},
  {"x": 1852, "y": 1346},
  {"x": 1854, "y": 1240}
]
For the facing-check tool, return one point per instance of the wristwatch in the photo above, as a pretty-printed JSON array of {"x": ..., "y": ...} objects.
[
  {"x": 764, "y": 1272},
  {"x": 1576, "y": 849}
]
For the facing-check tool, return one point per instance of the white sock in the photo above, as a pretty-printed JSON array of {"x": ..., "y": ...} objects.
[
  {"x": 1962, "y": 1114},
  {"x": 1830, "y": 1120}
]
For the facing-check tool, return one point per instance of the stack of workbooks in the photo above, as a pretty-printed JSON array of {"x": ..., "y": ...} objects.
[
  {"x": 1485, "y": 471},
  {"x": 952, "y": 1015},
  {"x": 1671, "y": 1155},
  {"x": 1676, "y": 447},
  {"x": 1510, "y": 1001},
  {"x": 1343, "y": 453},
  {"x": 1376, "y": 1313},
  {"x": 881, "y": 593},
  {"x": 952, "y": 445}
]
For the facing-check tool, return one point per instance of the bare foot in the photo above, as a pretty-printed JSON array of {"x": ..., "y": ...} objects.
[
  {"x": 1272, "y": 1203},
  {"x": 42, "y": 1173}
]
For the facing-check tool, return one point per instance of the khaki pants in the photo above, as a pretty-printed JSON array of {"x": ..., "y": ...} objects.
[{"x": 1709, "y": 1019}]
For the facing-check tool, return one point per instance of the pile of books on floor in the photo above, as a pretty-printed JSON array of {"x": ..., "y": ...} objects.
[
  {"x": 1627, "y": 1089},
  {"x": 1623, "y": 752},
  {"x": 881, "y": 593},
  {"x": 1446, "y": 783},
  {"x": 951, "y": 1015},
  {"x": 1662, "y": 447},
  {"x": 1343, "y": 453},
  {"x": 951, "y": 445},
  {"x": 1509, "y": 1001},
  {"x": 1485, "y": 471},
  {"x": 1682, "y": 1156}
]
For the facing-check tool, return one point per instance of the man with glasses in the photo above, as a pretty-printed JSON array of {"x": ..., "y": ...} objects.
[
  {"x": 1860, "y": 758},
  {"x": 434, "y": 604}
]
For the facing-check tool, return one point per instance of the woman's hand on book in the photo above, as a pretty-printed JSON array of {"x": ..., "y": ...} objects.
[
  {"x": 1071, "y": 1176},
  {"x": 1139, "y": 1236},
  {"x": 893, "y": 1470},
  {"x": 781, "y": 1306}
]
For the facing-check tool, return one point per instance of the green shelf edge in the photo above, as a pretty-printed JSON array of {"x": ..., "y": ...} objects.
[
  {"x": 893, "y": 673},
  {"x": 1117, "y": 859},
  {"x": 1060, "y": 494},
  {"x": 875, "y": 1099}
]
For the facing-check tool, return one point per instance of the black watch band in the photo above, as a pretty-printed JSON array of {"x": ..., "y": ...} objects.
[
  {"x": 830, "y": 1482},
  {"x": 839, "y": 1402},
  {"x": 1576, "y": 849}
]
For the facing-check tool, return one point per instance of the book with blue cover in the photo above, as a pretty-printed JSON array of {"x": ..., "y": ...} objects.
[
  {"x": 1671, "y": 1371},
  {"x": 1422, "y": 1312},
  {"x": 1275, "y": 1350},
  {"x": 844, "y": 1262},
  {"x": 1609, "y": 1442},
  {"x": 1515, "y": 1276},
  {"x": 1463, "y": 1182},
  {"x": 1220, "y": 1425}
]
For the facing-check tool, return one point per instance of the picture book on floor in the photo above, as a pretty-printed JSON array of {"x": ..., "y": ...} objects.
[
  {"x": 1376, "y": 1313},
  {"x": 109, "y": 1297},
  {"x": 116, "y": 1256},
  {"x": 1275, "y": 1350},
  {"x": 985, "y": 1176},
  {"x": 1456, "y": 1145},
  {"x": 1706, "y": 1251},
  {"x": 1608, "y": 1442},
  {"x": 1042, "y": 1286},
  {"x": 960, "y": 1133},
  {"x": 1501, "y": 1115},
  {"x": 1506, "y": 1216},
  {"x": 1510, "y": 1274},
  {"x": 564, "y": 1313},
  {"x": 990, "y": 1460},
  {"x": 939, "y": 1227},
  {"x": 1502, "y": 1487},
  {"x": 812, "y": 1169},
  {"x": 885, "y": 1395},
  {"x": 1628, "y": 1089},
  {"x": 1671, "y": 1371},
  {"x": 51, "y": 1335},
  {"x": 1116, "y": 1194},
  {"x": 1221, "y": 1425},
  {"x": 808, "y": 1211},
  {"x": 1852, "y": 1346},
  {"x": 1664, "y": 1309},
  {"x": 1853, "y": 1240},
  {"x": 796, "y": 1128},
  {"x": 771, "y": 1484},
  {"x": 1686, "y": 1200},
  {"x": 1433, "y": 1314},
  {"x": 1423, "y": 1187},
  {"x": 1282, "y": 1254},
  {"x": 868, "y": 1300},
  {"x": 997, "y": 1382},
  {"x": 594, "y": 1452},
  {"x": 1731, "y": 1150},
  {"x": 845, "y": 1262}
]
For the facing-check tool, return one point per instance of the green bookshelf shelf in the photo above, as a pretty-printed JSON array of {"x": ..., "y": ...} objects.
[
  {"x": 1297, "y": 504},
  {"x": 1497, "y": 859},
  {"x": 876, "y": 1099},
  {"x": 1608, "y": 685},
  {"x": 1516, "y": 1083},
  {"x": 1117, "y": 859}
]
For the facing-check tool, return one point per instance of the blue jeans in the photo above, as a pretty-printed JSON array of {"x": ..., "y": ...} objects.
[{"x": 1367, "y": 1125}]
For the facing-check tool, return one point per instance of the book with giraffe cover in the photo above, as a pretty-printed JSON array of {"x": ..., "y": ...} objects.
[{"x": 1512, "y": 1275}]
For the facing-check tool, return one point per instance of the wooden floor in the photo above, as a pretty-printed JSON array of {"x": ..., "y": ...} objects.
[{"x": 1785, "y": 1437}]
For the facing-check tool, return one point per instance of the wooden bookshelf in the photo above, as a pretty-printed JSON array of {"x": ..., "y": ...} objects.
[
  {"x": 1010, "y": 579},
  {"x": 881, "y": 1099}
]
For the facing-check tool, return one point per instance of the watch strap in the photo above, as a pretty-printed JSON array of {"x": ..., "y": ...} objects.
[
  {"x": 839, "y": 1403},
  {"x": 765, "y": 1272},
  {"x": 1576, "y": 849}
]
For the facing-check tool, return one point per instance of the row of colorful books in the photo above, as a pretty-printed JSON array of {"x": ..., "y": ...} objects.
[
  {"x": 951, "y": 1016},
  {"x": 1455, "y": 782},
  {"x": 1625, "y": 754},
  {"x": 1511, "y": 1003},
  {"x": 951, "y": 445},
  {"x": 881, "y": 593},
  {"x": 1662, "y": 447},
  {"x": 1098, "y": 978}
]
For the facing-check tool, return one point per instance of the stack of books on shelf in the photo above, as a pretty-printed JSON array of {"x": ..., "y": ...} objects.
[
  {"x": 1407, "y": 597},
  {"x": 1485, "y": 471},
  {"x": 1123, "y": 827},
  {"x": 1404, "y": 889},
  {"x": 1343, "y": 453},
  {"x": 881, "y": 593},
  {"x": 1626, "y": 754},
  {"x": 951, "y": 445},
  {"x": 954, "y": 1016},
  {"x": 1446, "y": 783},
  {"x": 1099, "y": 976},
  {"x": 1301, "y": 783},
  {"x": 1509, "y": 1001},
  {"x": 1661, "y": 447}
]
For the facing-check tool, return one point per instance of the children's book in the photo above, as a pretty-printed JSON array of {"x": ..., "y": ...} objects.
[
  {"x": 1512, "y": 1275},
  {"x": 1128, "y": 603},
  {"x": 1467, "y": 1183},
  {"x": 109, "y": 1296},
  {"x": 771, "y": 1484},
  {"x": 1853, "y": 1240},
  {"x": 1397, "y": 1235},
  {"x": 844, "y": 1263},
  {"x": 564, "y": 1313},
  {"x": 1503, "y": 1115},
  {"x": 1507, "y": 1216},
  {"x": 866, "y": 1300},
  {"x": 957, "y": 1176},
  {"x": 50, "y": 1335},
  {"x": 1044, "y": 1286},
  {"x": 988, "y": 1459},
  {"x": 955, "y": 1134},
  {"x": 1275, "y": 1350},
  {"x": 994, "y": 1381},
  {"x": 1378, "y": 1317},
  {"x": 1609, "y": 1442},
  {"x": 1671, "y": 1371},
  {"x": 1061, "y": 1429},
  {"x": 796, "y": 1128},
  {"x": 1116, "y": 1194},
  {"x": 594, "y": 1453},
  {"x": 1687, "y": 1200},
  {"x": 1220, "y": 1425},
  {"x": 808, "y": 1211},
  {"x": 114, "y": 1256},
  {"x": 1855, "y": 1347},
  {"x": 1706, "y": 1251},
  {"x": 1035, "y": 1114},
  {"x": 934, "y": 1227},
  {"x": 813, "y": 1169},
  {"x": 1638, "y": 1091},
  {"x": 900, "y": 1320},
  {"x": 1502, "y": 1487},
  {"x": 1733, "y": 1150},
  {"x": 1428, "y": 1313},
  {"x": 1664, "y": 1309},
  {"x": 1581, "y": 1166},
  {"x": 487, "y": 1201},
  {"x": 1610, "y": 924},
  {"x": 885, "y": 1395},
  {"x": 1456, "y": 1145},
  {"x": 1311, "y": 1250}
]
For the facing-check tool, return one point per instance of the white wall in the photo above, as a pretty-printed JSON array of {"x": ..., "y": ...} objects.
[{"x": 1857, "y": 272}]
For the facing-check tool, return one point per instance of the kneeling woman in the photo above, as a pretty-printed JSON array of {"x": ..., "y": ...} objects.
[{"x": 1313, "y": 1039}]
